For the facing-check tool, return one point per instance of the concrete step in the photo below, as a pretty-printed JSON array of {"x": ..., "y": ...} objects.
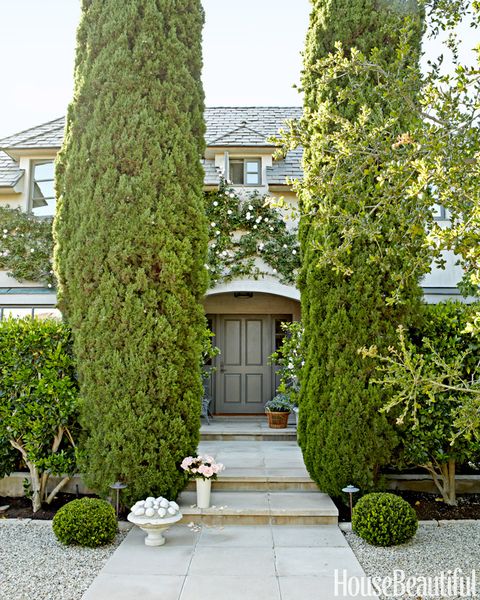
[
  {"x": 254, "y": 483},
  {"x": 254, "y": 429},
  {"x": 251, "y": 508}
]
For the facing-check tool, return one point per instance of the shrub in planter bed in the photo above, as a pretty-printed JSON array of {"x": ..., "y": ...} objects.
[
  {"x": 383, "y": 519},
  {"x": 87, "y": 522}
]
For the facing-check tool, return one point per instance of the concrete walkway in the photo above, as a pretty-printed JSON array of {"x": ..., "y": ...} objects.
[{"x": 266, "y": 562}]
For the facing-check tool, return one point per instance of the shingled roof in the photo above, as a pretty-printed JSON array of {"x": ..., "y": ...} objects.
[{"x": 227, "y": 126}]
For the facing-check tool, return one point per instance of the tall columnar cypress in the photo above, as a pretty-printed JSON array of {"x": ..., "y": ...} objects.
[
  {"x": 343, "y": 436},
  {"x": 131, "y": 238}
]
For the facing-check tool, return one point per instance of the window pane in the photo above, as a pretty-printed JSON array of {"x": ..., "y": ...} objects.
[
  {"x": 438, "y": 211},
  {"x": 17, "y": 313},
  {"x": 47, "y": 313},
  {"x": 43, "y": 189},
  {"x": 236, "y": 172},
  {"x": 44, "y": 208},
  {"x": 44, "y": 171},
  {"x": 252, "y": 166},
  {"x": 253, "y": 178}
]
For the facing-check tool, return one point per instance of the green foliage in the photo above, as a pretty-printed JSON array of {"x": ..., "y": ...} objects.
[
  {"x": 131, "y": 239},
  {"x": 26, "y": 245},
  {"x": 384, "y": 519},
  {"x": 85, "y": 522},
  {"x": 290, "y": 360},
  {"x": 362, "y": 238},
  {"x": 279, "y": 403},
  {"x": 38, "y": 398},
  {"x": 8, "y": 457},
  {"x": 430, "y": 377},
  {"x": 245, "y": 229}
]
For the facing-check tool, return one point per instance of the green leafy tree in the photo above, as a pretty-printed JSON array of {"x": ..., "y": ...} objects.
[
  {"x": 131, "y": 239},
  {"x": 363, "y": 250},
  {"x": 26, "y": 246},
  {"x": 430, "y": 374},
  {"x": 39, "y": 400}
]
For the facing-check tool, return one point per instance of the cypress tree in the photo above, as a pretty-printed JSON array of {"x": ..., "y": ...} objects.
[
  {"x": 343, "y": 436},
  {"x": 131, "y": 239}
]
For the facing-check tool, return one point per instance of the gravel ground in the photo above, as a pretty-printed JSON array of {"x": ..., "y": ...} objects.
[
  {"x": 34, "y": 566},
  {"x": 436, "y": 548}
]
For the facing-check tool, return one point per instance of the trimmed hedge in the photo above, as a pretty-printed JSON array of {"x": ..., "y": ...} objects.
[
  {"x": 383, "y": 519},
  {"x": 85, "y": 522}
]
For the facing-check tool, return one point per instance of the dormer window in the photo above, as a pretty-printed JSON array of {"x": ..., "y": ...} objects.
[
  {"x": 42, "y": 202},
  {"x": 245, "y": 171}
]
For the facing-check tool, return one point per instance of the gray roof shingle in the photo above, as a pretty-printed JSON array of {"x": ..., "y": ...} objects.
[
  {"x": 9, "y": 171},
  {"x": 47, "y": 135},
  {"x": 228, "y": 126}
]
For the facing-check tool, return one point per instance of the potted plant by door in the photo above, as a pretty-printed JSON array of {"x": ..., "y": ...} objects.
[
  {"x": 203, "y": 469},
  {"x": 277, "y": 410}
]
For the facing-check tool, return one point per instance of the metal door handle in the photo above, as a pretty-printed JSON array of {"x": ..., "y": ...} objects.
[{"x": 222, "y": 368}]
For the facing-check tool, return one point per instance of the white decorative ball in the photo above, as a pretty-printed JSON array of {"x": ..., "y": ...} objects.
[
  {"x": 171, "y": 511},
  {"x": 162, "y": 512},
  {"x": 174, "y": 505},
  {"x": 164, "y": 503},
  {"x": 139, "y": 512},
  {"x": 150, "y": 499},
  {"x": 149, "y": 512}
]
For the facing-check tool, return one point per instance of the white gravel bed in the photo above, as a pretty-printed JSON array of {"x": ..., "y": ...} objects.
[
  {"x": 436, "y": 548},
  {"x": 35, "y": 566}
]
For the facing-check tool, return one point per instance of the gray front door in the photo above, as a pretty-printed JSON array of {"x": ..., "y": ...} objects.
[{"x": 244, "y": 379}]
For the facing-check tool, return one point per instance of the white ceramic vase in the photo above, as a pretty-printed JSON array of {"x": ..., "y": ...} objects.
[{"x": 204, "y": 488}]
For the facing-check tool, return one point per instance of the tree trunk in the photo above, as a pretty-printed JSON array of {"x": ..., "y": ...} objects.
[{"x": 443, "y": 476}]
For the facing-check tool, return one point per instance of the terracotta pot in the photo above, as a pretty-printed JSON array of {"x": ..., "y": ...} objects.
[{"x": 277, "y": 420}]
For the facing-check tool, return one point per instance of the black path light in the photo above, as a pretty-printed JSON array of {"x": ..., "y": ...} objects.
[
  {"x": 350, "y": 490},
  {"x": 117, "y": 486}
]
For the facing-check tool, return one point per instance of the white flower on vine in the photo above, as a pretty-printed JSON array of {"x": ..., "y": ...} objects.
[
  {"x": 285, "y": 246},
  {"x": 207, "y": 267},
  {"x": 271, "y": 228},
  {"x": 232, "y": 195},
  {"x": 4, "y": 236},
  {"x": 32, "y": 250},
  {"x": 255, "y": 226},
  {"x": 266, "y": 219},
  {"x": 213, "y": 224},
  {"x": 217, "y": 232},
  {"x": 5, "y": 231},
  {"x": 214, "y": 245},
  {"x": 229, "y": 212},
  {"x": 248, "y": 216},
  {"x": 275, "y": 271},
  {"x": 215, "y": 203},
  {"x": 49, "y": 285},
  {"x": 258, "y": 220},
  {"x": 290, "y": 366},
  {"x": 250, "y": 207},
  {"x": 294, "y": 251},
  {"x": 51, "y": 272},
  {"x": 261, "y": 247}
]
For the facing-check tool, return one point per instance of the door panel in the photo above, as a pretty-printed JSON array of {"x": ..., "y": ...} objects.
[{"x": 244, "y": 380}]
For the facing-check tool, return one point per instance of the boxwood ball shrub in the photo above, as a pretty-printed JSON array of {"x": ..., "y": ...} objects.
[
  {"x": 85, "y": 522},
  {"x": 383, "y": 519}
]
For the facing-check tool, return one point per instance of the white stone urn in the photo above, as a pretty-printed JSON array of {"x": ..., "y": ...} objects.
[
  {"x": 154, "y": 516},
  {"x": 204, "y": 489}
]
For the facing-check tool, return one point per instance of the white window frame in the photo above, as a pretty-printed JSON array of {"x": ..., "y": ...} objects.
[
  {"x": 245, "y": 161},
  {"x": 33, "y": 164}
]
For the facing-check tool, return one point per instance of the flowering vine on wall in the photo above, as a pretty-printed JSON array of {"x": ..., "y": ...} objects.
[
  {"x": 26, "y": 246},
  {"x": 245, "y": 229},
  {"x": 242, "y": 231}
]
